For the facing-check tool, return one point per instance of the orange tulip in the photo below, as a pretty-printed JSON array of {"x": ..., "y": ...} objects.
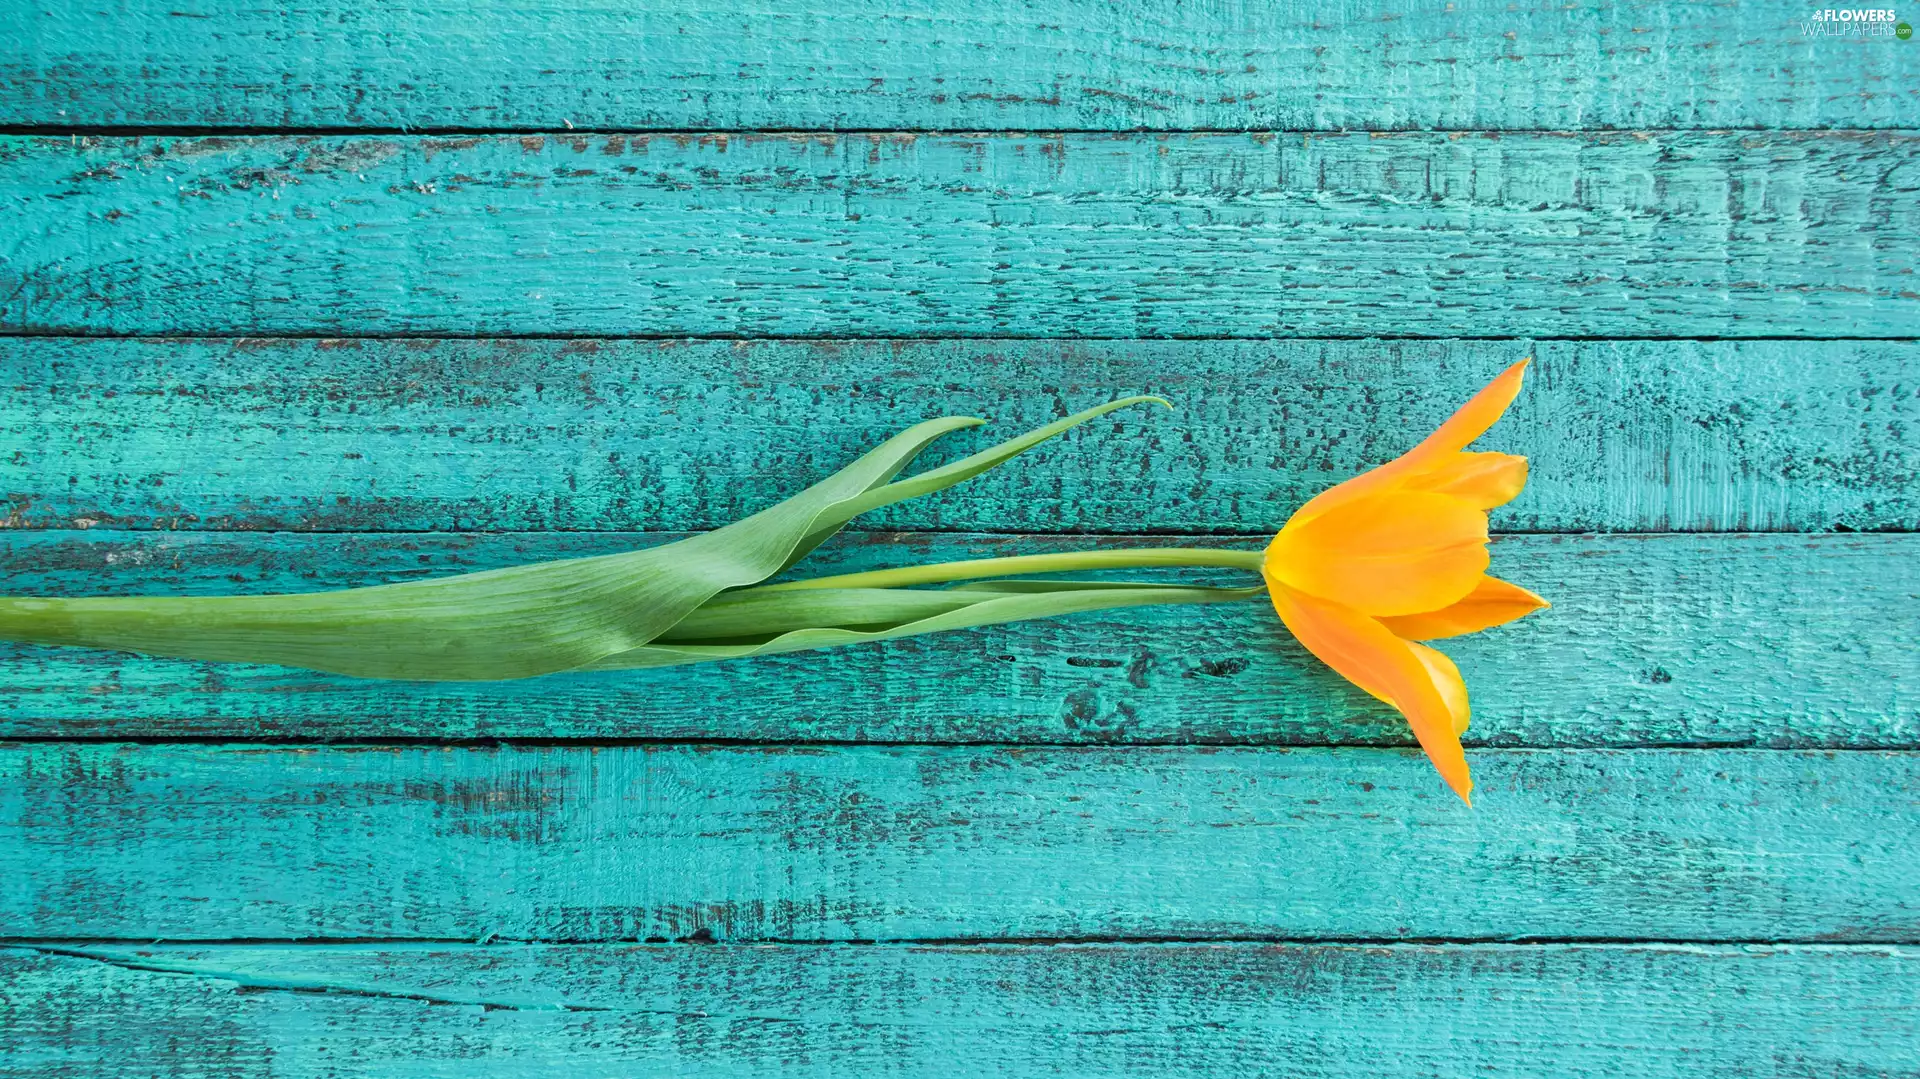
[{"x": 1367, "y": 569}]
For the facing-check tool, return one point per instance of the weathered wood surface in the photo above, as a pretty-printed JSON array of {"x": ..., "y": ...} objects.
[
  {"x": 1768, "y": 640},
  {"x": 1726, "y": 324},
  {"x": 1317, "y": 1011},
  {"x": 535, "y": 435},
  {"x": 1079, "y": 235},
  {"x": 996, "y": 64},
  {"x": 870, "y": 842}
]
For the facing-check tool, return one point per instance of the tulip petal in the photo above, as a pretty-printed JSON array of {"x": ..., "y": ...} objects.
[
  {"x": 1396, "y": 553},
  {"x": 1472, "y": 419},
  {"x": 1469, "y": 422},
  {"x": 1365, "y": 653},
  {"x": 1446, "y": 679},
  {"x": 1484, "y": 479},
  {"x": 1493, "y": 602}
]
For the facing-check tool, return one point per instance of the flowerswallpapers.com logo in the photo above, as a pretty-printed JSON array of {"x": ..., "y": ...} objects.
[{"x": 1856, "y": 23}]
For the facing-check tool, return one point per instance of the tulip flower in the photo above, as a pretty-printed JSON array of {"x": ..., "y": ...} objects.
[
  {"x": 1371, "y": 567},
  {"x": 1361, "y": 574}
]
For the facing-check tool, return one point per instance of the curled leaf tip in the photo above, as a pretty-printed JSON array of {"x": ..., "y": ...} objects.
[{"x": 1136, "y": 399}]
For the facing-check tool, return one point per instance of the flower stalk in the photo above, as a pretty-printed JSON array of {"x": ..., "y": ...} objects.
[{"x": 1026, "y": 565}]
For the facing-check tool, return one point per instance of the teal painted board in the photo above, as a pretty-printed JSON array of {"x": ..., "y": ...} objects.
[
  {"x": 314, "y": 297},
  {"x": 335, "y": 435},
  {"x": 1094, "y": 1010},
  {"x": 1764, "y": 640},
  {"x": 577, "y": 843},
  {"x": 1079, "y": 235},
  {"x": 993, "y": 65}
]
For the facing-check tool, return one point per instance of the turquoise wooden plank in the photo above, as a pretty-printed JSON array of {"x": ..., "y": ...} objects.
[
  {"x": 992, "y": 65},
  {"x": 1140, "y": 235},
  {"x": 1096, "y": 1010},
  {"x": 533, "y": 435},
  {"x": 1764, "y": 640},
  {"x": 573, "y": 843}
]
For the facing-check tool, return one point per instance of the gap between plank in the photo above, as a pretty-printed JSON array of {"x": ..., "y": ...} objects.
[
  {"x": 148, "y": 527},
  {"x": 246, "y": 981},
  {"x": 698, "y": 940},
  {"x": 1135, "y": 743},
  {"x": 14, "y": 333},
  {"x": 431, "y": 130},
  {"x": 782, "y": 743}
]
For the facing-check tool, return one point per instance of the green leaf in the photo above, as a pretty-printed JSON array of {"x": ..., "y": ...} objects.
[
  {"x": 758, "y": 622},
  {"x": 518, "y": 622}
]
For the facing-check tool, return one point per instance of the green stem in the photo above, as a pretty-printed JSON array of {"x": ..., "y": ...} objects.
[{"x": 1064, "y": 562}]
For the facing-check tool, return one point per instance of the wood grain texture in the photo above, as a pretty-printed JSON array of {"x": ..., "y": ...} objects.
[
  {"x": 996, "y": 209},
  {"x": 1765, "y": 640},
  {"x": 869, "y": 842},
  {"x": 991, "y": 65},
  {"x": 1315, "y": 1011},
  {"x": 1193, "y": 235},
  {"x": 413, "y": 435}
]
